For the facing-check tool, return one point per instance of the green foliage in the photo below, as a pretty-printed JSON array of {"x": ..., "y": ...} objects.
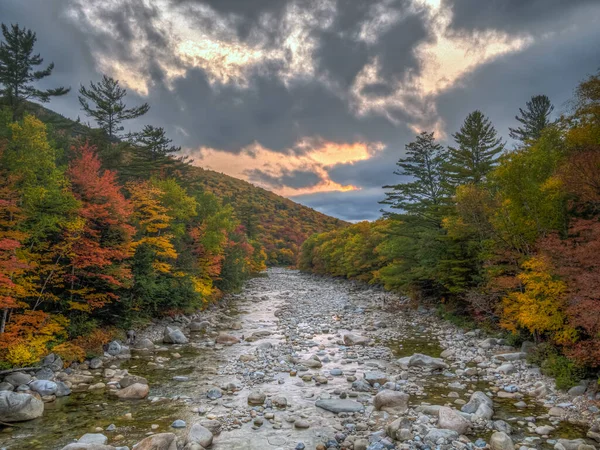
[
  {"x": 566, "y": 372},
  {"x": 534, "y": 119}
]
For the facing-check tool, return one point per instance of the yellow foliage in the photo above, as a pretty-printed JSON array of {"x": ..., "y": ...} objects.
[
  {"x": 21, "y": 354},
  {"x": 69, "y": 352},
  {"x": 540, "y": 306}
]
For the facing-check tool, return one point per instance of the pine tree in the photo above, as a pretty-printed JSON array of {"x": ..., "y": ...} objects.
[
  {"x": 477, "y": 150},
  {"x": 155, "y": 141},
  {"x": 104, "y": 103},
  {"x": 534, "y": 118},
  {"x": 17, "y": 74},
  {"x": 425, "y": 191}
]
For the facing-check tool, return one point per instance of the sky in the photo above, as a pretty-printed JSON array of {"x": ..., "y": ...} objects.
[{"x": 316, "y": 99}]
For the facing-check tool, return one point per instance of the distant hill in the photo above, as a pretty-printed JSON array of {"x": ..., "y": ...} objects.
[{"x": 278, "y": 223}]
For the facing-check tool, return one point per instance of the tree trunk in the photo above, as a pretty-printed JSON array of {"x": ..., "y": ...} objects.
[{"x": 4, "y": 316}]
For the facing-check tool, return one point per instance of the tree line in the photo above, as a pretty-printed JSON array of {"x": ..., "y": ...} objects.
[
  {"x": 509, "y": 238},
  {"x": 99, "y": 230}
]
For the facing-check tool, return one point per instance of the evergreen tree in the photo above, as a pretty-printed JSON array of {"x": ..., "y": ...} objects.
[
  {"x": 155, "y": 141},
  {"x": 477, "y": 151},
  {"x": 17, "y": 74},
  {"x": 534, "y": 118},
  {"x": 425, "y": 191},
  {"x": 104, "y": 103}
]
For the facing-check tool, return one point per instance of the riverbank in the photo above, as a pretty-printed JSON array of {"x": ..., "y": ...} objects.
[{"x": 299, "y": 361}]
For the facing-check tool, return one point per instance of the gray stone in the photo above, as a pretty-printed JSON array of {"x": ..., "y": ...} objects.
[
  {"x": 571, "y": 444},
  {"x": 96, "y": 363},
  {"x": 339, "y": 405},
  {"x": 199, "y": 326},
  {"x": 179, "y": 424},
  {"x": 128, "y": 380},
  {"x": 376, "y": 377},
  {"x": 451, "y": 419},
  {"x": 477, "y": 399},
  {"x": 256, "y": 398},
  {"x": 420, "y": 360},
  {"x": 173, "y": 335},
  {"x": 391, "y": 401},
  {"x": 199, "y": 435},
  {"x": 577, "y": 390},
  {"x": 144, "y": 344},
  {"x": 4, "y": 386},
  {"x": 53, "y": 362},
  {"x": 436, "y": 434},
  {"x": 80, "y": 446},
  {"x": 114, "y": 348},
  {"x": 351, "y": 339},
  {"x": 136, "y": 391},
  {"x": 18, "y": 407},
  {"x": 43, "y": 387},
  {"x": 162, "y": 441},
  {"x": 501, "y": 441},
  {"x": 93, "y": 438},
  {"x": 506, "y": 369},
  {"x": 18, "y": 378},
  {"x": 214, "y": 393},
  {"x": 361, "y": 386},
  {"x": 62, "y": 390},
  {"x": 45, "y": 373}
]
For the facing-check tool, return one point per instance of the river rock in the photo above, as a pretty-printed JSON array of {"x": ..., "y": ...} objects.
[
  {"x": 199, "y": 326},
  {"x": 114, "y": 348},
  {"x": 501, "y": 441},
  {"x": 4, "y": 386},
  {"x": 162, "y": 441},
  {"x": 577, "y": 390},
  {"x": 571, "y": 444},
  {"x": 80, "y": 446},
  {"x": 436, "y": 434},
  {"x": 226, "y": 339},
  {"x": 451, "y": 419},
  {"x": 420, "y": 360},
  {"x": 511, "y": 356},
  {"x": 506, "y": 369},
  {"x": 62, "y": 390},
  {"x": 199, "y": 435},
  {"x": 53, "y": 362},
  {"x": 96, "y": 363},
  {"x": 45, "y": 373},
  {"x": 214, "y": 393},
  {"x": 391, "y": 401},
  {"x": 128, "y": 380},
  {"x": 355, "y": 339},
  {"x": 18, "y": 407},
  {"x": 173, "y": 335},
  {"x": 93, "y": 438},
  {"x": 213, "y": 425},
  {"x": 256, "y": 398},
  {"x": 43, "y": 387},
  {"x": 280, "y": 401},
  {"x": 144, "y": 344},
  {"x": 477, "y": 399},
  {"x": 339, "y": 405},
  {"x": 18, "y": 378},
  {"x": 136, "y": 391},
  {"x": 376, "y": 377}
]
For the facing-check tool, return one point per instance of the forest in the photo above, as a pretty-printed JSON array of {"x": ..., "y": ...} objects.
[
  {"x": 502, "y": 238},
  {"x": 102, "y": 230}
]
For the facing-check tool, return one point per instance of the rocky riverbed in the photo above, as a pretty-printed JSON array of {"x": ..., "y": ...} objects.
[{"x": 299, "y": 362}]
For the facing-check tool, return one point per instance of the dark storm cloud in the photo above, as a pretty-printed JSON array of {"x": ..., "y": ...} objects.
[
  {"x": 296, "y": 179},
  {"x": 353, "y": 206},
  {"x": 514, "y": 15}
]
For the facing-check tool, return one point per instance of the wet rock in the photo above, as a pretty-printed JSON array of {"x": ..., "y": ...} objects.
[
  {"x": 391, "y": 401},
  {"x": 214, "y": 393},
  {"x": 501, "y": 425},
  {"x": 93, "y": 438},
  {"x": 577, "y": 390},
  {"x": 144, "y": 344},
  {"x": 506, "y": 369},
  {"x": 162, "y": 441},
  {"x": 178, "y": 424},
  {"x": 45, "y": 373},
  {"x": 4, "y": 386},
  {"x": 213, "y": 425},
  {"x": 173, "y": 335},
  {"x": 114, "y": 348},
  {"x": 43, "y": 387},
  {"x": 128, "y": 380},
  {"x": 96, "y": 363},
  {"x": 80, "y": 446},
  {"x": 451, "y": 419},
  {"x": 376, "y": 377},
  {"x": 256, "y": 398},
  {"x": 361, "y": 444},
  {"x": 199, "y": 435},
  {"x": 199, "y": 326},
  {"x": 280, "y": 401},
  {"x": 18, "y": 378},
  {"x": 544, "y": 430},
  {"x": 226, "y": 339},
  {"x": 336, "y": 372},
  {"x": 355, "y": 339},
  {"x": 488, "y": 343},
  {"x": 301, "y": 424},
  {"x": 511, "y": 356},
  {"x": 62, "y": 390},
  {"x": 339, "y": 405},
  {"x": 477, "y": 399},
  {"x": 361, "y": 386},
  {"x": 420, "y": 360},
  {"x": 136, "y": 391},
  {"x": 18, "y": 407},
  {"x": 501, "y": 441},
  {"x": 571, "y": 444}
]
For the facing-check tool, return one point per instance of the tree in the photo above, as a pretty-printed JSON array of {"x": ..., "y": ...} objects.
[
  {"x": 155, "y": 141},
  {"x": 424, "y": 193},
  {"x": 534, "y": 118},
  {"x": 477, "y": 151},
  {"x": 103, "y": 102},
  {"x": 17, "y": 69}
]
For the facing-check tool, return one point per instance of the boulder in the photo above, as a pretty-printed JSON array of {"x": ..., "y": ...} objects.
[
  {"x": 376, "y": 377},
  {"x": 199, "y": 435},
  {"x": 43, "y": 387},
  {"x": 506, "y": 369},
  {"x": 511, "y": 356},
  {"x": 226, "y": 339},
  {"x": 174, "y": 335},
  {"x": 391, "y": 401},
  {"x": 199, "y": 326},
  {"x": 18, "y": 378},
  {"x": 214, "y": 393},
  {"x": 114, "y": 348},
  {"x": 53, "y": 362},
  {"x": 128, "y": 380},
  {"x": 392, "y": 428},
  {"x": 571, "y": 444},
  {"x": 45, "y": 373},
  {"x": 136, "y": 391},
  {"x": 144, "y": 344},
  {"x": 477, "y": 399},
  {"x": 213, "y": 425},
  {"x": 280, "y": 401},
  {"x": 501, "y": 441},
  {"x": 450, "y": 419},
  {"x": 420, "y": 360},
  {"x": 62, "y": 390},
  {"x": 17, "y": 407},
  {"x": 96, "y": 363},
  {"x": 161, "y": 441},
  {"x": 80, "y": 446},
  {"x": 435, "y": 434},
  {"x": 355, "y": 339},
  {"x": 4, "y": 386},
  {"x": 575, "y": 391},
  {"x": 93, "y": 438},
  {"x": 337, "y": 406}
]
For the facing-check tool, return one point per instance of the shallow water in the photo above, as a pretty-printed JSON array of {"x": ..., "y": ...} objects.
[{"x": 304, "y": 316}]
